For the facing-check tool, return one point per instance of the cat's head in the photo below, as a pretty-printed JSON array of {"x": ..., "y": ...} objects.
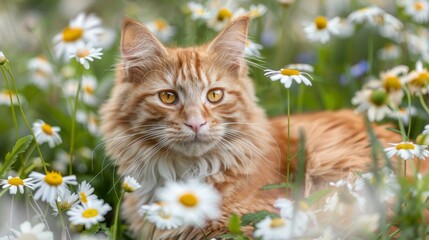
[{"x": 186, "y": 100}]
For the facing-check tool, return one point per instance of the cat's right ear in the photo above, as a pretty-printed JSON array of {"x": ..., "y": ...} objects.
[{"x": 140, "y": 50}]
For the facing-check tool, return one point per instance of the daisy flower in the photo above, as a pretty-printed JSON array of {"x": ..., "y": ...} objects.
[
  {"x": 6, "y": 97},
  {"x": 387, "y": 185},
  {"x": 89, "y": 120},
  {"x": 252, "y": 49},
  {"x": 345, "y": 196},
  {"x": 82, "y": 29},
  {"x": 46, "y": 133},
  {"x": 389, "y": 52},
  {"x": 64, "y": 202},
  {"x": 418, "y": 10},
  {"x": 418, "y": 79},
  {"x": 29, "y": 232},
  {"x": 321, "y": 29},
  {"x": 286, "y": 3},
  {"x": 288, "y": 75},
  {"x": 161, "y": 216},
  {"x": 222, "y": 13},
  {"x": 373, "y": 102},
  {"x": 51, "y": 185},
  {"x": 407, "y": 150},
  {"x": 298, "y": 213},
  {"x": 198, "y": 11},
  {"x": 392, "y": 81},
  {"x": 89, "y": 214},
  {"x": 15, "y": 183},
  {"x": 275, "y": 228},
  {"x": 257, "y": 10},
  {"x": 193, "y": 201},
  {"x": 130, "y": 184},
  {"x": 367, "y": 14},
  {"x": 405, "y": 114},
  {"x": 3, "y": 58},
  {"x": 162, "y": 30},
  {"x": 85, "y": 193},
  {"x": 41, "y": 71},
  {"x": 89, "y": 85},
  {"x": 85, "y": 53}
]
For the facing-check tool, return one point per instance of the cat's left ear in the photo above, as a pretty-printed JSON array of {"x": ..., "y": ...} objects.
[{"x": 229, "y": 45}]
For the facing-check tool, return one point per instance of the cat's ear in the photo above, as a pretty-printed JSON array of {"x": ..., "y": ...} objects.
[
  {"x": 229, "y": 45},
  {"x": 140, "y": 49}
]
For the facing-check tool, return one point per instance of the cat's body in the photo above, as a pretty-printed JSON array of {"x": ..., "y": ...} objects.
[{"x": 229, "y": 143}]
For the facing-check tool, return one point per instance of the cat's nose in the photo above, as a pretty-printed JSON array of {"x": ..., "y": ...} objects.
[{"x": 195, "y": 125}]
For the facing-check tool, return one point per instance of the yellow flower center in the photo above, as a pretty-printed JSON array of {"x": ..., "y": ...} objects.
[
  {"x": 83, "y": 197},
  {"x": 224, "y": 14},
  {"x": 54, "y": 178},
  {"x": 72, "y": 34},
  {"x": 419, "y": 6},
  {"x": 128, "y": 188},
  {"x": 289, "y": 72},
  {"x": 392, "y": 83},
  {"x": 46, "y": 128},
  {"x": 405, "y": 146},
  {"x": 90, "y": 213},
  {"x": 277, "y": 222},
  {"x": 321, "y": 22},
  {"x": 64, "y": 206},
  {"x": 88, "y": 89},
  {"x": 378, "y": 97},
  {"x": 83, "y": 52},
  {"x": 16, "y": 181},
  {"x": 421, "y": 80},
  {"x": 160, "y": 24},
  {"x": 188, "y": 199}
]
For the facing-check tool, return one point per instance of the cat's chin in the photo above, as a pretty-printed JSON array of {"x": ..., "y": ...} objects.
[{"x": 194, "y": 148}]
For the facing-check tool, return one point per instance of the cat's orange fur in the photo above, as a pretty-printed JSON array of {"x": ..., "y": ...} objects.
[{"x": 242, "y": 150}]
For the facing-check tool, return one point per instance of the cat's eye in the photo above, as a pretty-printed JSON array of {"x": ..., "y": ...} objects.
[
  {"x": 215, "y": 95},
  {"x": 168, "y": 97}
]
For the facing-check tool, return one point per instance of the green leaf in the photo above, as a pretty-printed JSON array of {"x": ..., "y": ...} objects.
[
  {"x": 20, "y": 147},
  {"x": 316, "y": 196},
  {"x": 276, "y": 186},
  {"x": 234, "y": 224},
  {"x": 254, "y": 218},
  {"x": 394, "y": 130},
  {"x": 227, "y": 236},
  {"x": 94, "y": 229}
]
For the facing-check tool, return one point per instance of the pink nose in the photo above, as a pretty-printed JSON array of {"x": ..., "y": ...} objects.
[{"x": 195, "y": 125}]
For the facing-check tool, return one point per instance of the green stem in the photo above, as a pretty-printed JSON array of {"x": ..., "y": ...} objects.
[
  {"x": 370, "y": 52},
  {"x": 405, "y": 167},
  {"x": 288, "y": 139},
  {"x": 25, "y": 118},
  {"x": 63, "y": 225},
  {"x": 116, "y": 223},
  {"x": 73, "y": 124},
  {"x": 400, "y": 123},
  {"x": 423, "y": 103},
  {"x": 15, "y": 122},
  {"x": 409, "y": 111}
]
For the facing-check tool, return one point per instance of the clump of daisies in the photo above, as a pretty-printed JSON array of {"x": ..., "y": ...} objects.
[
  {"x": 84, "y": 29},
  {"x": 290, "y": 73},
  {"x": 192, "y": 202}
]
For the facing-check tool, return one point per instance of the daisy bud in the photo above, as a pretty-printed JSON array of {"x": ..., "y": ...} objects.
[
  {"x": 3, "y": 59},
  {"x": 130, "y": 184}
]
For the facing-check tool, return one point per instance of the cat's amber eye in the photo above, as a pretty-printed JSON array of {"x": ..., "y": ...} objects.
[
  {"x": 215, "y": 95},
  {"x": 168, "y": 97}
]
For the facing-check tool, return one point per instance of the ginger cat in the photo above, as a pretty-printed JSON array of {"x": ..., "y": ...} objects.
[{"x": 179, "y": 113}]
